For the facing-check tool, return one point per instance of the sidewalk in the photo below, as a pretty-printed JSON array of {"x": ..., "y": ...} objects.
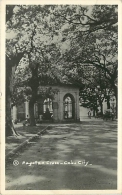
[
  {"x": 86, "y": 118},
  {"x": 25, "y": 132}
]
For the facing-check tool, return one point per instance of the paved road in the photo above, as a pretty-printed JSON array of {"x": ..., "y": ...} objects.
[{"x": 86, "y": 153}]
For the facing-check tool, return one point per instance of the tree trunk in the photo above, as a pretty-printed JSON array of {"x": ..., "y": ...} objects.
[
  {"x": 93, "y": 112},
  {"x": 34, "y": 83},
  {"x": 10, "y": 130},
  {"x": 31, "y": 111},
  {"x": 116, "y": 96},
  {"x": 108, "y": 102},
  {"x": 11, "y": 65},
  {"x": 101, "y": 107}
]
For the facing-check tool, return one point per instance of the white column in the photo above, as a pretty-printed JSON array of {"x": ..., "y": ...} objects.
[
  {"x": 78, "y": 111},
  {"x": 27, "y": 110},
  {"x": 14, "y": 112},
  {"x": 104, "y": 106},
  {"x": 61, "y": 106},
  {"x": 36, "y": 110}
]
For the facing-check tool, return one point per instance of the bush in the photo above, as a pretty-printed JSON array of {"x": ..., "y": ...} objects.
[
  {"x": 99, "y": 114},
  {"x": 108, "y": 115}
]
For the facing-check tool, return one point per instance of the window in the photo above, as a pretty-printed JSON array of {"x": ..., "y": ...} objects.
[
  {"x": 68, "y": 107},
  {"x": 47, "y": 105}
]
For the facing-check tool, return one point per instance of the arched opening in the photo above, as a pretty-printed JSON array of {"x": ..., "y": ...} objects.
[
  {"x": 69, "y": 106},
  {"x": 47, "y": 109}
]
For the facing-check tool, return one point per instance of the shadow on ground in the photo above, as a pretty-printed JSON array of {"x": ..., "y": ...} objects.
[
  {"x": 90, "y": 149},
  {"x": 25, "y": 132}
]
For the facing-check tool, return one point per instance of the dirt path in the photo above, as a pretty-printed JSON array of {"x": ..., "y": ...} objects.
[{"x": 92, "y": 149}]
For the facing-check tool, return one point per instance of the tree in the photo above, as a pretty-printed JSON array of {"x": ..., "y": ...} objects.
[
  {"x": 21, "y": 21},
  {"x": 12, "y": 61},
  {"x": 18, "y": 21},
  {"x": 24, "y": 83},
  {"x": 91, "y": 32},
  {"x": 35, "y": 70},
  {"x": 84, "y": 35}
]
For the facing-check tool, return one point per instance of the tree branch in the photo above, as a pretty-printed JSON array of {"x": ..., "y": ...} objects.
[{"x": 98, "y": 65}]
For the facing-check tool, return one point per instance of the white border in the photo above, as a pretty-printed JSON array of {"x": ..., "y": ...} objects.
[{"x": 83, "y": 2}]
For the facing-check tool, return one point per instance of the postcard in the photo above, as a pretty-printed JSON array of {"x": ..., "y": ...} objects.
[{"x": 61, "y": 108}]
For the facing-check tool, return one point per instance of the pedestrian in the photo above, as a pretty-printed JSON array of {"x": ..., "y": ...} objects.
[{"x": 89, "y": 114}]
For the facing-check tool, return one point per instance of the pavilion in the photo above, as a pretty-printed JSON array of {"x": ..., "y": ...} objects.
[{"x": 64, "y": 107}]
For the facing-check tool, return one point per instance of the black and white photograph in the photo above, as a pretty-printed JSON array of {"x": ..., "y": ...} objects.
[{"x": 61, "y": 97}]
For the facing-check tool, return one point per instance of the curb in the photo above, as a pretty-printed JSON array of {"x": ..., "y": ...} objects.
[{"x": 13, "y": 152}]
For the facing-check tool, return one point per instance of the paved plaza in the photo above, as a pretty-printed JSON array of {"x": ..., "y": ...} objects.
[{"x": 80, "y": 156}]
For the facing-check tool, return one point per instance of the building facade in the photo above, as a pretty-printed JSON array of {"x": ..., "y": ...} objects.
[{"x": 64, "y": 106}]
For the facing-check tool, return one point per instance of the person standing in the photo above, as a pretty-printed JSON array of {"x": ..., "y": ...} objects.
[{"x": 89, "y": 114}]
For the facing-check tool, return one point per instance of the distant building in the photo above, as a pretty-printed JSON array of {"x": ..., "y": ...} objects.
[{"x": 63, "y": 107}]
